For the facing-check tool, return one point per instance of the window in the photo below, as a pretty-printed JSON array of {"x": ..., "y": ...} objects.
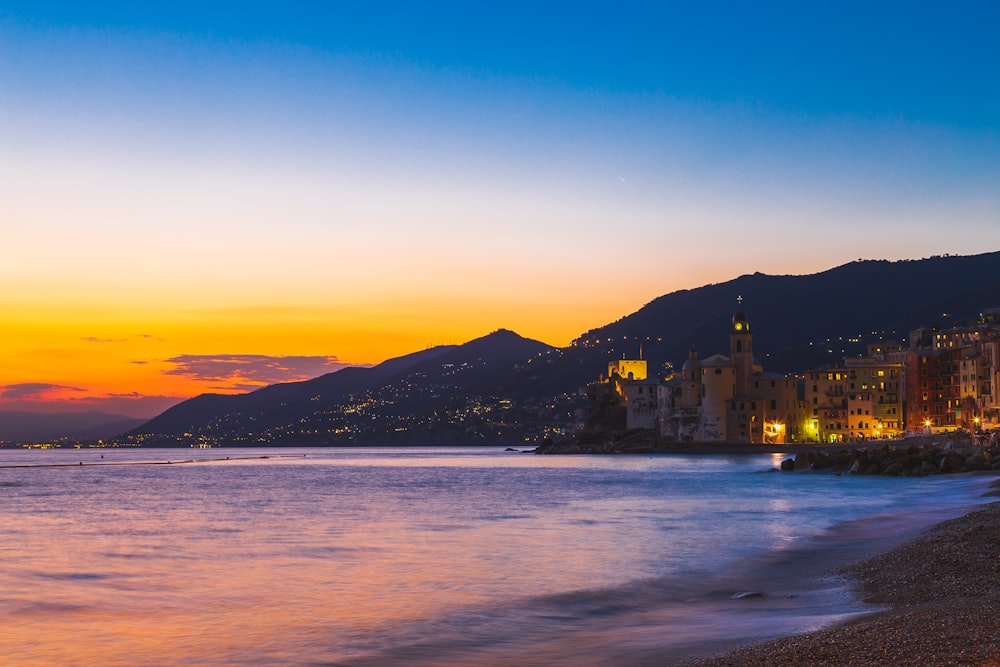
[{"x": 774, "y": 404}]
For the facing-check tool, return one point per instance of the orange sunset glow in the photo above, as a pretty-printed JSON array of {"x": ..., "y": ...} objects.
[{"x": 201, "y": 202}]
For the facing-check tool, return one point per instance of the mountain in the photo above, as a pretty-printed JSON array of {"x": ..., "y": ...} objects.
[
  {"x": 17, "y": 426},
  {"x": 208, "y": 410},
  {"x": 801, "y": 322},
  {"x": 505, "y": 389},
  {"x": 433, "y": 396}
]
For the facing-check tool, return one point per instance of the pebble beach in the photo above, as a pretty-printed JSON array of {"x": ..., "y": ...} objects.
[{"x": 942, "y": 594}]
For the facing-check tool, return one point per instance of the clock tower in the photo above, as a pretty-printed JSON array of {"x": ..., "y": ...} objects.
[{"x": 741, "y": 352}]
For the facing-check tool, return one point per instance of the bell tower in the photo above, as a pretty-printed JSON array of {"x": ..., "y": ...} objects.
[{"x": 741, "y": 352}]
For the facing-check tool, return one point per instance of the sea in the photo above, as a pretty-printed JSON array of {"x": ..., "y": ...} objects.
[{"x": 431, "y": 556}]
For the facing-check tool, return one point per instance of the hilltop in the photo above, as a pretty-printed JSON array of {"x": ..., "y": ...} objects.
[
  {"x": 509, "y": 390},
  {"x": 444, "y": 395}
]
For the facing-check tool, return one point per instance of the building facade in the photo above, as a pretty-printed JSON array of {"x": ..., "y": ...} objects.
[{"x": 729, "y": 398}]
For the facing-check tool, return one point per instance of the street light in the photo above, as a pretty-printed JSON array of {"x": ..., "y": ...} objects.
[{"x": 773, "y": 430}]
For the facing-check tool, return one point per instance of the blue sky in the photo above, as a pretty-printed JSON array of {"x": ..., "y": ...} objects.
[
  {"x": 387, "y": 176},
  {"x": 918, "y": 61}
]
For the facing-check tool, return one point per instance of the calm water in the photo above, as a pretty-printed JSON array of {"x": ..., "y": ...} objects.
[{"x": 427, "y": 556}]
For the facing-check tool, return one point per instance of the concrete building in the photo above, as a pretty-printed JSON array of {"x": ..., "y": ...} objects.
[
  {"x": 729, "y": 398},
  {"x": 628, "y": 378},
  {"x": 860, "y": 400}
]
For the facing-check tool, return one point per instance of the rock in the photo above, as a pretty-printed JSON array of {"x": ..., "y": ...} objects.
[
  {"x": 803, "y": 460},
  {"x": 788, "y": 464},
  {"x": 894, "y": 469},
  {"x": 821, "y": 462}
]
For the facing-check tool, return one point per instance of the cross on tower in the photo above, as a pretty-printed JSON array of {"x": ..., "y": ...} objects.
[{"x": 739, "y": 299}]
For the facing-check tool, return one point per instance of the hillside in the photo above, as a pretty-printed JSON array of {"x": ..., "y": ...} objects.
[
  {"x": 801, "y": 322},
  {"x": 18, "y": 426},
  {"x": 434, "y": 396},
  {"x": 505, "y": 389}
]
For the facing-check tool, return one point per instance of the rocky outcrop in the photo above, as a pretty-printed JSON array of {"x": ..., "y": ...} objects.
[
  {"x": 906, "y": 458},
  {"x": 597, "y": 441}
]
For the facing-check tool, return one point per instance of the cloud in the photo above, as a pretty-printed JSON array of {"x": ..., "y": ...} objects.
[
  {"x": 98, "y": 339},
  {"x": 31, "y": 390},
  {"x": 236, "y": 372}
]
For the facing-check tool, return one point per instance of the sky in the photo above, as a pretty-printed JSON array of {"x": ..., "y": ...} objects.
[{"x": 218, "y": 196}]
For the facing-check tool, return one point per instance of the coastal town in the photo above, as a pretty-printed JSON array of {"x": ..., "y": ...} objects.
[{"x": 938, "y": 381}]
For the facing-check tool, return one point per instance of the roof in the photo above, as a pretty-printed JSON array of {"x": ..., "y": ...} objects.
[{"x": 716, "y": 360}]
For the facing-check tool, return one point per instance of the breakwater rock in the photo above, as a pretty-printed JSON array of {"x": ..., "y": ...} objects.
[
  {"x": 904, "y": 458},
  {"x": 638, "y": 441}
]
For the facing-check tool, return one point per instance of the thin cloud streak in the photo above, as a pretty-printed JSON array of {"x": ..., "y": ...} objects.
[
  {"x": 235, "y": 372},
  {"x": 31, "y": 390}
]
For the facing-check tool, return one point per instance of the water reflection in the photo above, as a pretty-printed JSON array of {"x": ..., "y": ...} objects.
[{"x": 355, "y": 556}]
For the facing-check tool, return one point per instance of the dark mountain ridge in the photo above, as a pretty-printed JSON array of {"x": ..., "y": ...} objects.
[
  {"x": 329, "y": 408},
  {"x": 800, "y": 322},
  {"x": 20, "y": 426},
  {"x": 194, "y": 414},
  {"x": 505, "y": 389}
]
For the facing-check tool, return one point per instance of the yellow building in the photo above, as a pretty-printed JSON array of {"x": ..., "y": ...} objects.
[
  {"x": 627, "y": 369},
  {"x": 861, "y": 400},
  {"x": 638, "y": 395}
]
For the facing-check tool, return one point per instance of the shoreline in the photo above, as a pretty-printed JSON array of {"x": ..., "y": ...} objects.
[
  {"x": 646, "y": 442},
  {"x": 942, "y": 593}
]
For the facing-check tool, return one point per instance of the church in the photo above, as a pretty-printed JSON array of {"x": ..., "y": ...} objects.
[{"x": 729, "y": 398}]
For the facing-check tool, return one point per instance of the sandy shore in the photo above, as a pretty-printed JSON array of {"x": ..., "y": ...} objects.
[{"x": 944, "y": 592}]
